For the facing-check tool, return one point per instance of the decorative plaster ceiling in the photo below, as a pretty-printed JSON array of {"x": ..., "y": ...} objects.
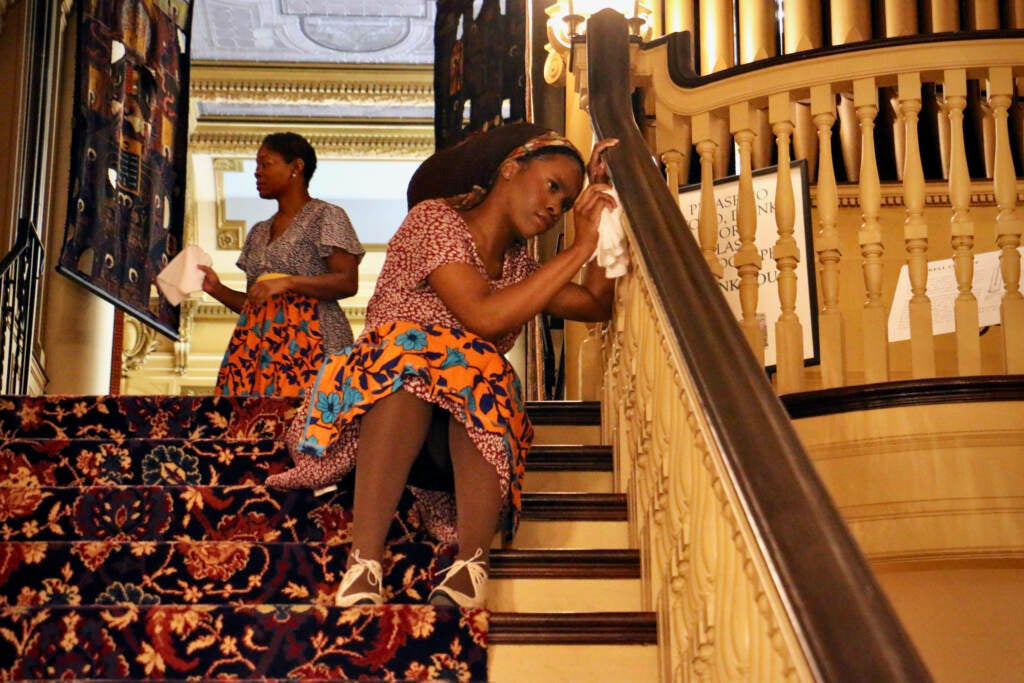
[
  {"x": 310, "y": 31},
  {"x": 295, "y": 52}
]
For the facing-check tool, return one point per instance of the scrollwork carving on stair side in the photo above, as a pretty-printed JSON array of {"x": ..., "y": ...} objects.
[{"x": 702, "y": 572}]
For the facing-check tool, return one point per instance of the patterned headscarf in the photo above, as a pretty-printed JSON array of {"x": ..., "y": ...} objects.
[{"x": 464, "y": 173}]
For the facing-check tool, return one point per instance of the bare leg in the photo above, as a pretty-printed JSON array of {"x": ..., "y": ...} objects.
[
  {"x": 390, "y": 437},
  {"x": 477, "y": 500}
]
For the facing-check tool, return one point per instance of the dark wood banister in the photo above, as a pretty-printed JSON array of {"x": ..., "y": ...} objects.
[{"x": 847, "y": 625}]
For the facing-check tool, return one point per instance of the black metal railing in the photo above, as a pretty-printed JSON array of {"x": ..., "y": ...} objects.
[
  {"x": 849, "y": 630},
  {"x": 19, "y": 298}
]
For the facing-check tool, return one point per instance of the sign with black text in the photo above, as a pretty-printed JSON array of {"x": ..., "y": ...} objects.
[{"x": 728, "y": 243}]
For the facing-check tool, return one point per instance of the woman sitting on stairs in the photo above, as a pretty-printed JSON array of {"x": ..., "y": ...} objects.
[{"x": 456, "y": 288}]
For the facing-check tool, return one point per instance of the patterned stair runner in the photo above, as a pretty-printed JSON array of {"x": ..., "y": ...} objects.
[{"x": 139, "y": 543}]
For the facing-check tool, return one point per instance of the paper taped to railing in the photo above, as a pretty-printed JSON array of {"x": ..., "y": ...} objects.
[
  {"x": 942, "y": 289},
  {"x": 182, "y": 276}
]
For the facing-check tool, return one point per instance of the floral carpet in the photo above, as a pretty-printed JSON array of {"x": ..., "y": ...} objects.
[{"x": 137, "y": 542}]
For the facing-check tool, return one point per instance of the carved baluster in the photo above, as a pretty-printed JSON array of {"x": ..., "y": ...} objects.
[
  {"x": 1008, "y": 223},
  {"x": 673, "y": 136},
  {"x": 876, "y": 362},
  {"x": 673, "y": 161},
  {"x": 789, "y": 334},
  {"x": 747, "y": 258},
  {"x": 831, "y": 336},
  {"x": 965, "y": 308},
  {"x": 915, "y": 231},
  {"x": 707, "y": 220}
]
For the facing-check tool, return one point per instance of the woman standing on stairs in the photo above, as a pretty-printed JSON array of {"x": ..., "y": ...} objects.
[
  {"x": 457, "y": 286},
  {"x": 297, "y": 264}
]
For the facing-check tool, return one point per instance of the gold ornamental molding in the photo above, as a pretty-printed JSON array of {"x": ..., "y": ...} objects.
[
  {"x": 315, "y": 84},
  {"x": 331, "y": 140},
  {"x": 936, "y": 194},
  {"x": 230, "y": 233}
]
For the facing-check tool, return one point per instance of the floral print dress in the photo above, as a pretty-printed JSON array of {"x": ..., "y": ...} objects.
[
  {"x": 412, "y": 342},
  {"x": 277, "y": 349}
]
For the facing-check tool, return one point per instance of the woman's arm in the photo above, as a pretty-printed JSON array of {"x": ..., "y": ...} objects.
[
  {"x": 590, "y": 302},
  {"x": 490, "y": 315},
  {"x": 212, "y": 285},
  {"x": 341, "y": 281}
]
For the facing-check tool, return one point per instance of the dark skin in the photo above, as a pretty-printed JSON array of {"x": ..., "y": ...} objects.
[
  {"x": 527, "y": 199},
  {"x": 286, "y": 183}
]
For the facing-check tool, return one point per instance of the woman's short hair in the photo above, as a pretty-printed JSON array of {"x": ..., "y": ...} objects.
[{"x": 292, "y": 146}]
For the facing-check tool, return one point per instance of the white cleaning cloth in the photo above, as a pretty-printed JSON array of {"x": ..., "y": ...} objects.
[
  {"x": 182, "y": 275},
  {"x": 611, "y": 241}
]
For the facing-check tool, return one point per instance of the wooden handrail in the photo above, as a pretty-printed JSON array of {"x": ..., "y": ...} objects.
[{"x": 847, "y": 627}]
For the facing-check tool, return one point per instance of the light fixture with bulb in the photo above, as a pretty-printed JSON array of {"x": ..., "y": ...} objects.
[{"x": 568, "y": 19}]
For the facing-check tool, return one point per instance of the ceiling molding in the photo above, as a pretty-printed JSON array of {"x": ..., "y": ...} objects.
[
  {"x": 316, "y": 84},
  {"x": 331, "y": 140}
]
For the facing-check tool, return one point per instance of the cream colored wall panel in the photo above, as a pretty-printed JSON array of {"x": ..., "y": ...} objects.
[
  {"x": 964, "y": 620},
  {"x": 919, "y": 482}
]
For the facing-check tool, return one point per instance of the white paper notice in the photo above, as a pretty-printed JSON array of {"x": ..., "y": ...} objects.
[{"x": 987, "y": 287}]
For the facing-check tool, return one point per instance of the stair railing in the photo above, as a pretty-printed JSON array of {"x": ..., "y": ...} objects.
[
  {"x": 746, "y": 561},
  {"x": 938, "y": 102},
  {"x": 20, "y": 271}
]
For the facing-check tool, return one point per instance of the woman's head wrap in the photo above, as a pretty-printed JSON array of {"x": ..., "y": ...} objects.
[{"x": 464, "y": 173}]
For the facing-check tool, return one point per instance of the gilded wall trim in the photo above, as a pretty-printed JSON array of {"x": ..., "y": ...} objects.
[
  {"x": 313, "y": 84},
  {"x": 230, "y": 233},
  {"x": 936, "y": 194},
  {"x": 330, "y": 141}
]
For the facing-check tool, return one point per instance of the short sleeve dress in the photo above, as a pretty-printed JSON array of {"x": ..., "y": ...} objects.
[
  {"x": 413, "y": 342},
  {"x": 277, "y": 349}
]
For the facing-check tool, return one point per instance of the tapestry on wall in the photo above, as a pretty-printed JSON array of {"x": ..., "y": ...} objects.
[
  {"x": 127, "y": 188},
  {"x": 480, "y": 61}
]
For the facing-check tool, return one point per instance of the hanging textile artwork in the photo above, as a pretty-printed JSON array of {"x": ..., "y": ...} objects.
[
  {"x": 479, "y": 61},
  {"x": 127, "y": 191}
]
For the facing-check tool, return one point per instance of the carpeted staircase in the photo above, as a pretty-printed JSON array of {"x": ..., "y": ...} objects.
[{"x": 139, "y": 543}]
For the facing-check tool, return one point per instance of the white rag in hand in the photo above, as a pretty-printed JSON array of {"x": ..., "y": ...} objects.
[
  {"x": 611, "y": 241},
  {"x": 182, "y": 275}
]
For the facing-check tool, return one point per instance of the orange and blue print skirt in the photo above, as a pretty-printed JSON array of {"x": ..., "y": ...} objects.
[
  {"x": 275, "y": 350},
  {"x": 448, "y": 367}
]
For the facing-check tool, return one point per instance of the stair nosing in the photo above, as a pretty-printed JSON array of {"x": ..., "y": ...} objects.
[{"x": 551, "y": 628}]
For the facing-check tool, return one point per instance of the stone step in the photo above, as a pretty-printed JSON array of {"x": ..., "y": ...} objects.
[
  {"x": 242, "y": 572},
  {"x": 574, "y": 520},
  {"x": 618, "y": 662}
]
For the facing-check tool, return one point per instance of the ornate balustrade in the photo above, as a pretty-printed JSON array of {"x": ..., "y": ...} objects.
[
  {"x": 719, "y": 117},
  {"x": 746, "y": 562}
]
